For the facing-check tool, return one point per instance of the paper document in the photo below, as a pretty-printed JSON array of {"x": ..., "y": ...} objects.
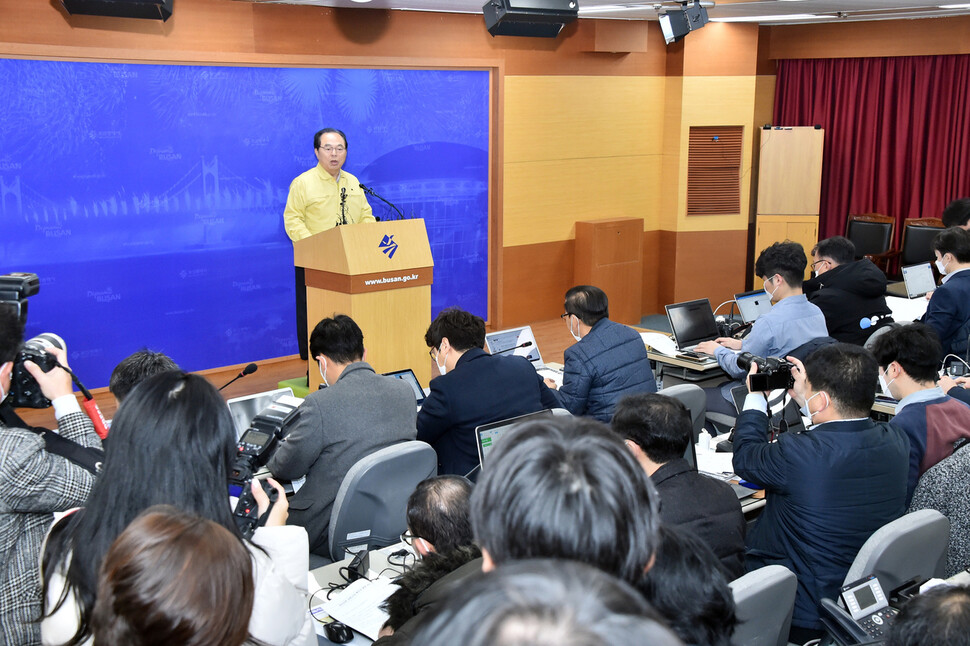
[
  {"x": 660, "y": 342},
  {"x": 359, "y": 605}
]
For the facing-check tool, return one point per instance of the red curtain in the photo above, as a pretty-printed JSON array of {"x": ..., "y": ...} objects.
[{"x": 897, "y": 132}]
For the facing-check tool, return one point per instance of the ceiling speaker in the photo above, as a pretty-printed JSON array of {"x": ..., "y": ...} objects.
[
  {"x": 536, "y": 18},
  {"x": 147, "y": 9}
]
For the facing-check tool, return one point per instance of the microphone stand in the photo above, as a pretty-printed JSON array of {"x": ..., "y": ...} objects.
[
  {"x": 373, "y": 193},
  {"x": 343, "y": 206}
]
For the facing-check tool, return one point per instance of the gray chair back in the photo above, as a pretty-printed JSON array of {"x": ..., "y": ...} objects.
[
  {"x": 914, "y": 545},
  {"x": 370, "y": 509},
  {"x": 693, "y": 397},
  {"x": 765, "y": 599}
]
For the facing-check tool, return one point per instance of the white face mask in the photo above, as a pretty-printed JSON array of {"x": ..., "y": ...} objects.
[
  {"x": 569, "y": 323},
  {"x": 941, "y": 266},
  {"x": 771, "y": 295},
  {"x": 806, "y": 411},
  {"x": 884, "y": 385},
  {"x": 442, "y": 368},
  {"x": 3, "y": 393},
  {"x": 323, "y": 372}
]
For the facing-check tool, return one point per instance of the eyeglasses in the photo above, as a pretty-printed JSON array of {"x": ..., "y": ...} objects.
[
  {"x": 332, "y": 149},
  {"x": 566, "y": 315},
  {"x": 433, "y": 353},
  {"x": 408, "y": 538},
  {"x": 818, "y": 261}
]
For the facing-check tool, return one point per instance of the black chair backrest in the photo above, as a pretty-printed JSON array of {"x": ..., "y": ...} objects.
[
  {"x": 918, "y": 245},
  {"x": 869, "y": 237}
]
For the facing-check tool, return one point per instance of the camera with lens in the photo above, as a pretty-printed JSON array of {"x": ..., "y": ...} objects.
[
  {"x": 773, "y": 373},
  {"x": 256, "y": 446},
  {"x": 15, "y": 288}
]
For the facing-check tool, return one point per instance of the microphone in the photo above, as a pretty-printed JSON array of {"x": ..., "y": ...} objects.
[
  {"x": 343, "y": 206},
  {"x": 527, "y": 344},
  {"x": 248, "y": 370},
  {"x": 868, "y": 322},
  {"x": 373, "y": 193}
]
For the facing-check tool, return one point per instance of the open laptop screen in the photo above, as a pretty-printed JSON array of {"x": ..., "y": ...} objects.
[
  {"x": 752, "y": 304},
  {"x": 918, "y": 279},
  {"x": 244, "y": 409},
  {"x": 503, "y": 340},
  {"x": 692, "y": 322},
  {"x": 408, "y": 377},
  {"x": 489, "y": 435}
]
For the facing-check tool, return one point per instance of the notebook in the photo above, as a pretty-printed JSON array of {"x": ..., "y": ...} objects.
[
  {"x": 752, "y": 304},
  {"x": 691, "y": 323},
  {"x": 244, "y": 409},
  {"x": 408, "y": 377},
  {"x": 488, "y": 435},
  {"x": 524, "y": 343}
]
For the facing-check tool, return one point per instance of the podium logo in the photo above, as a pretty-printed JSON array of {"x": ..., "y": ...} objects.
[{"x": 388, "y": 246}]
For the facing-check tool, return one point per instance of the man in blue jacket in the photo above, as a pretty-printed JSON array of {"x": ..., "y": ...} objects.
[
  {"x": 829, "y": 488},
  {"x": 948, "y": 311},
  {"x": 608, "y": 361},
  {"x": 474, "y": 388}
]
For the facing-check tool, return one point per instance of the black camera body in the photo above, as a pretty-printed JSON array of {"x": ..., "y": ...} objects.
[
  {"x": 24, "y": 390},
  {"x": 256, "y": 446},
  {"x": 15, "y": 288},
  {"x": 773, "y": 373}
]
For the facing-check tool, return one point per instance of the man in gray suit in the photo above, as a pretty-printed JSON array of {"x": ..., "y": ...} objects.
[{"x": 360, "y": 412}]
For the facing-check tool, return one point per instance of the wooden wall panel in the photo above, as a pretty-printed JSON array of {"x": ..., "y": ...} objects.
[
  {"x": 566, "y": 117},
  {"x": 650, "y": 301},
  {"x": 927, "y": 37},
  {"x": 535, "y": 281},
  {"x": 543, "y": 200},
  {"x": 701, "y": 264},
  {"x": 722, "y": 49}
]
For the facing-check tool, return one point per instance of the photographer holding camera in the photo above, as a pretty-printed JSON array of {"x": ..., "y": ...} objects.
[
  {"x": 829, "y": 488},
  {"x": 36, "y": 482}
]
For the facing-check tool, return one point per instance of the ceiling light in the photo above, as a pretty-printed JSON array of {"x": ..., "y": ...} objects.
[
  {"x": 955, "y": 6},
  {"x": 775, "y": 18}
]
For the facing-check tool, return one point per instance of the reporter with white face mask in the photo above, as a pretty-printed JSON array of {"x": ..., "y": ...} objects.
[
  {"x": 473, "y": 388},
  {"x": 360, "y": 412},
  {"x": 948, "y": 311}
]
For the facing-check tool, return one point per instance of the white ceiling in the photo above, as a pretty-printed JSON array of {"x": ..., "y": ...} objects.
[{"x": 777, "y": 11}]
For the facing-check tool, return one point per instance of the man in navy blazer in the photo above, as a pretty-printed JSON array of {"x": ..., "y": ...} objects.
[
  {"x": 948, "y": 311},
  {"x": 474, "y": 388},
  {"x": 608, "y": 361}
]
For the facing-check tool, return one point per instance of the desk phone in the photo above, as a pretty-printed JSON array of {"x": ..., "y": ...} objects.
[{"x": 868, "y": 606}]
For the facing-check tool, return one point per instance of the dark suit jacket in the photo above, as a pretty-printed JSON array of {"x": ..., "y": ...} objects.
[
  {"x": 949, "y": 313},
  {"x": 361, "y": 413},
  {"x": 829, "y": 489},
  {"x": 707, "y": 507},
  {"x": 846, "y": 294},
  {"x": 482, "y": 388},
  {"x": 609, "y": 362}
]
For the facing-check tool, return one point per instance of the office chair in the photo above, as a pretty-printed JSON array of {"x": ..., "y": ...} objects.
[
  {"x": 371, "y": 505},
  {"x": 765, "y": 599},
  {"x": 882, "y": 329},
  {"x": 917, "y": 242},
  {"x": 872, "y": 235},
  {"x": 693, "y": 397},
  {"x": 914, "y": 545}
]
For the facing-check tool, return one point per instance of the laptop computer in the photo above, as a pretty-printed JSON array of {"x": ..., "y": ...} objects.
[
  {"x": 244, "y": 409},
  {"x": 520, "y": 341},
  {"x": 488, "y": 435},
  {"x": 408, "y": 377},
  {"x": 692, "y": 322},
  {"x": 752, "y": 304},
  {"x": 918, "y": 280}
]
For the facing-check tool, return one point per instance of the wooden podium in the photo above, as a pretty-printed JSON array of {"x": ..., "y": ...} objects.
[{"x": 380, "y": 275}]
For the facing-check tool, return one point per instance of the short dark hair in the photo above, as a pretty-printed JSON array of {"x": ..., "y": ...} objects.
[
  {"x": 688, "y": 587},
  {"x": 957, "y": 212},
  {"x": 787, "y": 259},
  {"x": 939, "y": 616},
  {"x": 321, "y": 133},
  {"x": 438, "y": 511},
  {"x": 916, "y": 347},
  {"x": 174, "y": 577},
  {"x": 848, "y": 373},
  {"x": 660, "y": 425},
  {"x": 544, "y": 603},
  {"x": 463, "y": 330},
  {"x": 338, "y": 338},
  {"x": 135, "y": 368},
  {"x": 954, "y": 241},
  {"x": 11, "y": 333},
  {"x": 838, "y": 249},
  {"x": 549, "y": 478},
  {"x": 588, "y": 303}
]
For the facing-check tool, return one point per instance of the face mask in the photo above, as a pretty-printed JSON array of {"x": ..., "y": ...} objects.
[
  {"x": 442, "y": 368},
  {"x": 323, "y": 370},
  {"x": 806, "y": 411},
  {"x": 569, "y": 322},
  {"x": 3, "y": 393},
  {"x": 884, "y": 385},
  {"x": 771, "y": 295},
  {"x": 941, "y": 266}
]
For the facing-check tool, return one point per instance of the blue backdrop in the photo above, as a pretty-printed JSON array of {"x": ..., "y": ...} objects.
[{"x": 149, "y": 198}]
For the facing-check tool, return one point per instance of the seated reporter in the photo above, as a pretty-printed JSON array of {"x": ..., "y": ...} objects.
[
  {"x": 172, "y": 442},
  {"x": 940, "y": 616},
  {"x": 174, "y": 578},
  {"x": 546, "y": 603},
  {"x": 136, "y": 368},
  {"x": 948, "y": 311},
  {"x": 36, "y": 482},
  {"x": 440, "y": 531},
  {"x": 474, "y": 388},
  {"x": 828, "y": 489}
]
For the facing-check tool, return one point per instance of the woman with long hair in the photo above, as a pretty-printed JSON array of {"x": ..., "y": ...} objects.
[{"x": 172, "y": 442}]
